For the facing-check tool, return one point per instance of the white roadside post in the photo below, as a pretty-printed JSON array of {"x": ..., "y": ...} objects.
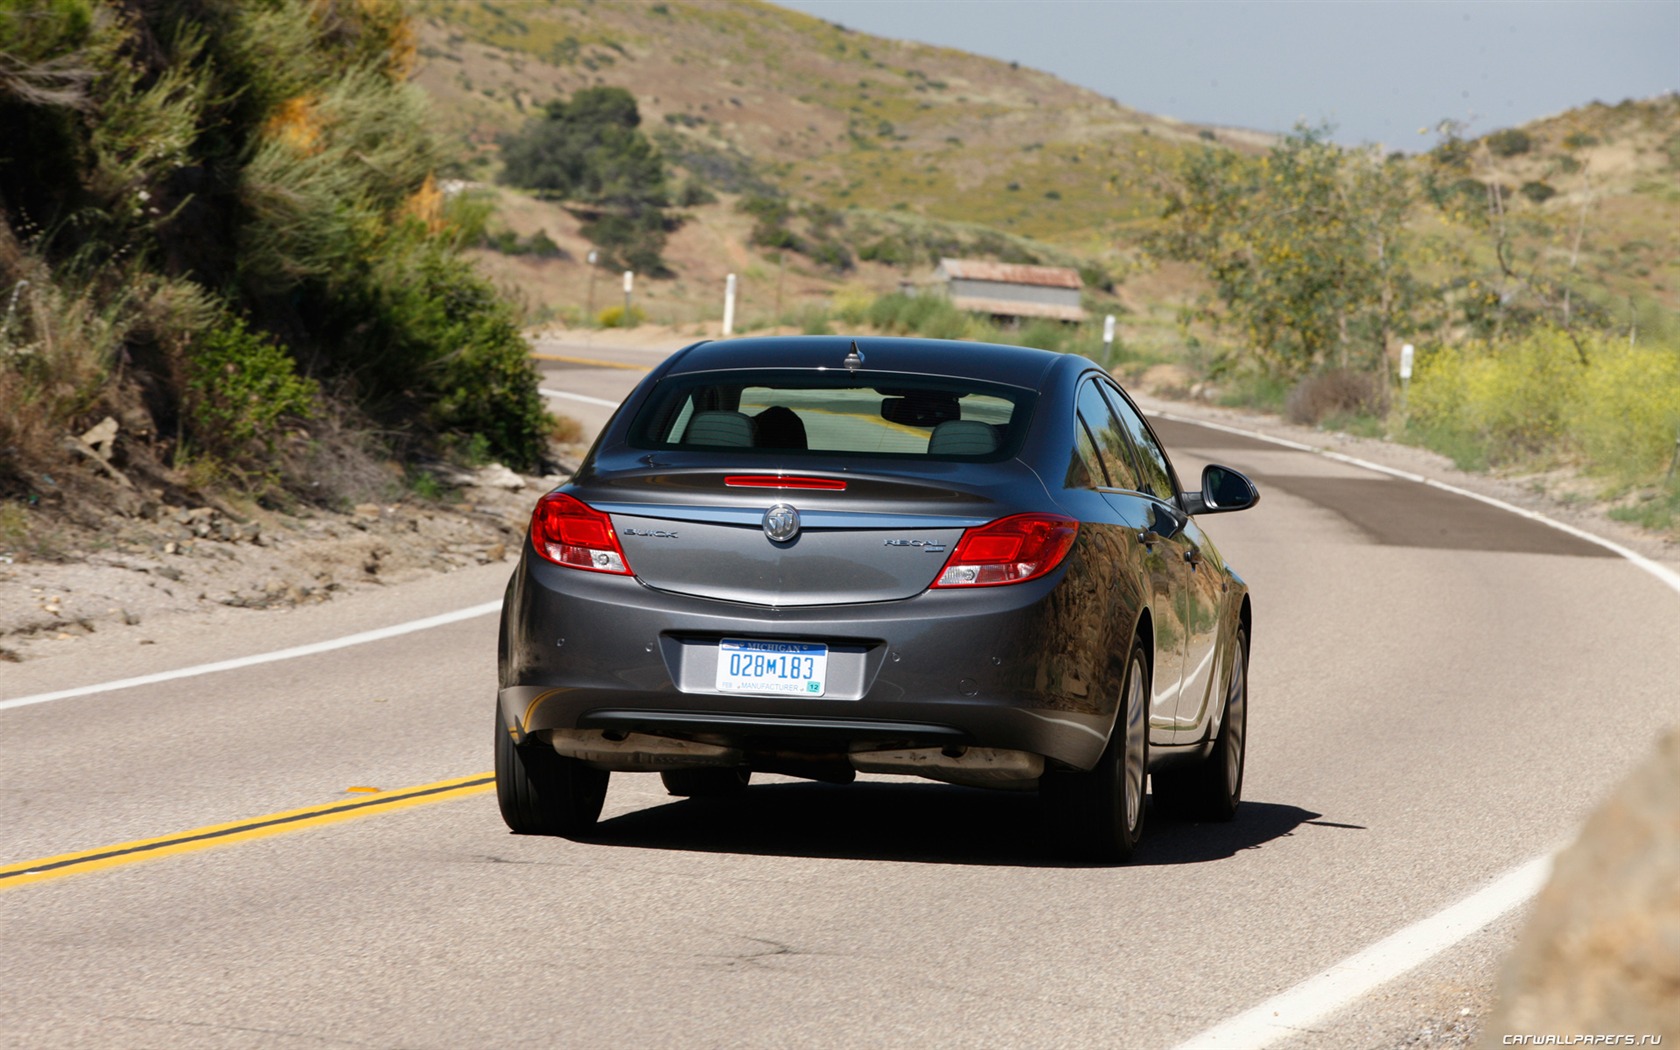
[
  {"x": 1108, "y": 338},
  {"x": 729, "y": 306},
  {"x": 1405, "y": 374},
  {"x": 629, "y": 281},
  {"x": 594, "y": 257}
]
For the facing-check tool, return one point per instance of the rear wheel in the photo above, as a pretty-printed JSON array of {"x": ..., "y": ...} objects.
[
  {"x": 708, "y": 782},
  {"x": 544, "y": 793},
  {"x": 1212, "y": 789},
  {"x": 1100, "y": 813}
]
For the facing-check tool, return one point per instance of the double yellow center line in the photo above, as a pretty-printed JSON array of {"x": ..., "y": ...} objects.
[{"x": 45, "y": 868}]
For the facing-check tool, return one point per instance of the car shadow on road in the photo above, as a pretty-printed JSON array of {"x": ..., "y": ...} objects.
[{"x": 918, "y": 823}]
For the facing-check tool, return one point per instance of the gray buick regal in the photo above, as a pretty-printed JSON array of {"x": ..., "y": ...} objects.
[{"x": 819, "y": 556}]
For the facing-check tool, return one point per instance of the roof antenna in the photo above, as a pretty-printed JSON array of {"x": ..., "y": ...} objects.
[{"x": 854, "y": 360}]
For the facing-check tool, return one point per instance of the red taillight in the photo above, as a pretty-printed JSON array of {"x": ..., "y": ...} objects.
[
  {"x": 1009, "y": 550},
  {"x": 777, "y": 481},
  {"x": 571, "y": 533}
]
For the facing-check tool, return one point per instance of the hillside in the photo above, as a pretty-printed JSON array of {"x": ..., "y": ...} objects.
[
  {"x": 1597, "y": 190},
  {"x": 924, "y": 151},
  {"x": 748, "y": 92},
  {"x": 929, "y": 146}
]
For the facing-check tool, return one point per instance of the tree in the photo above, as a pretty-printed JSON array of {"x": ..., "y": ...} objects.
[
  {"x": 591, "y": 150},
  {"x": 1305, "y": 246}
]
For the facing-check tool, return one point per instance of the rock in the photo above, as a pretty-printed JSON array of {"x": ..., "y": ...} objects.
[
  {"x": 127, "y": 502},
  {"x": 496, "y": 476},
  {"x": 1601, "y": 950},
  {"x": 101, "y": 437}
]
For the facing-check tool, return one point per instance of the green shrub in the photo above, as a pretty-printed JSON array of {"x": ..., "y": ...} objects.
[
  {"x": 1253, "y": 387},
  {"x": 435, "y": 345},
  {"x": 1617, "y": 413},
  {"x": 630, "y": 239},
  {"x": 813, "y": 320},
  {"x": 1659, "y": 509},
  {"x": 241, "y": 390},
  {"x": 1045, "y": 335},
  {"x": 770, "y": 225},
  {"x": 693, "y": 193},
  {"x": 615, "y": 317},
  {"x": 591, "y": 149},
  {"x": 889, "y": 251},
  {"x": 1537, "y": 192},
  {"x": 1508, "y": 398},
  {"x": 832, "y": 254},
  {"x": 926, "y": 315},
  {"x": 1624, "y": 415},
  {"x": 1509, "y": 143},
  {"x": 851, "y": 305}
]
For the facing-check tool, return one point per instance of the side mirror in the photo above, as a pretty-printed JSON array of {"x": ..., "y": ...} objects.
[{"x": 1223, "y": 490}]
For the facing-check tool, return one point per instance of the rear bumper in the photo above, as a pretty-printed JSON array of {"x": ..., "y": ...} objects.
[{"x": 998, "y": 667}]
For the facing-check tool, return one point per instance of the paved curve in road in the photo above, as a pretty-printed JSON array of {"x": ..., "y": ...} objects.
[{"x": 1441, "y": 691}]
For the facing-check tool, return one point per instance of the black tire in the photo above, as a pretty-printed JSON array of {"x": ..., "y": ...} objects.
[
  {"x": 544, "y": 793},
  {"x": 707, "y": 782},
  {"x": 1099, "y": 814},
  {"x": 1211, "y": 790}
]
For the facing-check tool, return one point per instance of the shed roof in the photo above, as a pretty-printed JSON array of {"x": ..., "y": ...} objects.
[{"x": 1010, "y": 273}]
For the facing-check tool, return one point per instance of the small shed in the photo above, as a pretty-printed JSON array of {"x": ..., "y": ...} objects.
[{"x": 1012, "y": 290}]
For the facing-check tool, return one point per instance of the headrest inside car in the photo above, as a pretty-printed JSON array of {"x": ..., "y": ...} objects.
[{"x": 920, "y": 410}]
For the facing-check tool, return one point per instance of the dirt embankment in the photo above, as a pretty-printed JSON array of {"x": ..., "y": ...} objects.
[{"x": 161, "y": 560}]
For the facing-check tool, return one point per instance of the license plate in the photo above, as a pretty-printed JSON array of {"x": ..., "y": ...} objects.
[{"x": 792, "y": 668}]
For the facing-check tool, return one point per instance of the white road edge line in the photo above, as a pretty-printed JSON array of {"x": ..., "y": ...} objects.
[
  {"x": 1293, "y": 1011},
  {"x": 585, "y": 398},
  {"x": 361, "y": 638}
]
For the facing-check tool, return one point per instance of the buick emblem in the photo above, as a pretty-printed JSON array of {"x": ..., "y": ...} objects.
[{"x": 781, "y": 523}]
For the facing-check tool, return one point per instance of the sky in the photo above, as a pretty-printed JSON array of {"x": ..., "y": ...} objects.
[{"x": 1377, "y": 70}]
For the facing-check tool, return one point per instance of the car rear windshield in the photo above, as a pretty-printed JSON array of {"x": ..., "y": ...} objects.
[{"x": 852, "y": 413}]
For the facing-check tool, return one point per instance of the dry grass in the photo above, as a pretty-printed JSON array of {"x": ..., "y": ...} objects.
[
  {"x": 1336, "y": 392},
  {"x": 56, "y": 345}
]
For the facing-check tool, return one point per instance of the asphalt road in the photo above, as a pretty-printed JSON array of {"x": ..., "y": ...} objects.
[{"x": 1440, "y": 691}]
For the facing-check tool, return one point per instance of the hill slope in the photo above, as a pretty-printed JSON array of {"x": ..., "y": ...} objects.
[
  {"x": 755, "y": 93},
  {"x": 904, "y": 138},
  {"x": 1608, "y": 182}
]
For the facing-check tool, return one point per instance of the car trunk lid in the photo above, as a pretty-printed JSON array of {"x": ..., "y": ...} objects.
[{"x": 826, "y": 538}]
